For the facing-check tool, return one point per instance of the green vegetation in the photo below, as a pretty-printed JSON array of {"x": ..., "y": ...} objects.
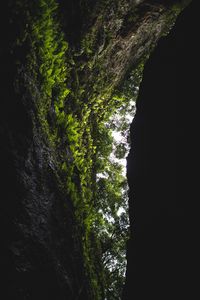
[
  {"x": 76, "y": 121},
  {"x": 76, "y": 114}
]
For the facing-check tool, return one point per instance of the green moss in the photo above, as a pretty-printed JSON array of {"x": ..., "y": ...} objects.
[{"x": 71, "y": 113}]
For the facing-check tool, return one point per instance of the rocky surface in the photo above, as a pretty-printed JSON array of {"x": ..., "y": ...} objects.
[
  {"x": 41, "y": 255},
  {"x": 119, "y": 35},
  {"x": 162, "y": 170}
]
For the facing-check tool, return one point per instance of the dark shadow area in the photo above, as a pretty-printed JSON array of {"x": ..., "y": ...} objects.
[
  {"x": 34, "y": 224},
  {"x": 163, "y": 170}
]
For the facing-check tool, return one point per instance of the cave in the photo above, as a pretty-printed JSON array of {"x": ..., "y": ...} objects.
[{"x": 65, "y": 67}]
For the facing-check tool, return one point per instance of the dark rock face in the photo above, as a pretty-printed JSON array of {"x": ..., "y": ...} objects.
[
  {"x": 40, "y": 256},
  {"x": 163, "y": 170}
]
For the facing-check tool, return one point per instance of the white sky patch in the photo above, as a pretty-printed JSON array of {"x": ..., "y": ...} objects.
[
  {"x": 121, "y": 161},
  {"x": 121, "y": 137},
  {"x": 117, "y": 136},
  {"x": 102, "y": 175},
  {"x": 121, "y": 210}
]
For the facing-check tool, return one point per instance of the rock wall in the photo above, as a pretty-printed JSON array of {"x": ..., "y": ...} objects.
[
  {"x": 163, "y": 169},
  {"x": 41, "y": 253}
]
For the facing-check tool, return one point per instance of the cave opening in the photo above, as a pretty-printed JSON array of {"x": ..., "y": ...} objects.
[{"x": 65, "y": 139}]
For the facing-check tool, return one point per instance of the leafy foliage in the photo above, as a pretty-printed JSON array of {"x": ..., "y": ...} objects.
[{"x": 77, "y": 122}]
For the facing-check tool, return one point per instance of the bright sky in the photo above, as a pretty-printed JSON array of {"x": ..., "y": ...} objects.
[{"x": 119, "y": 138}]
